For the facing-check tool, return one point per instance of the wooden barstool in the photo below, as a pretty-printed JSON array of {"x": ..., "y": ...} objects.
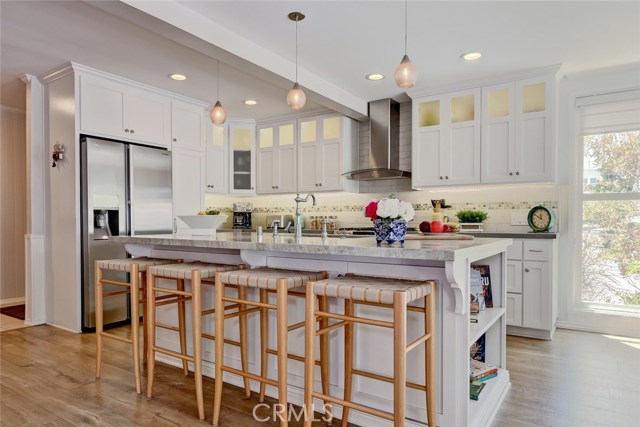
[
  {"x": 198, "y": 273},
  {"x": 266, "y": 279},
  {"x": 379, "y": 292},
  {"x": 136, "y": 267}
]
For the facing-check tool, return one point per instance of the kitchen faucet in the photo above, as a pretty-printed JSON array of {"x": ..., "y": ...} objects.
[{"x": 298, "y": 219}]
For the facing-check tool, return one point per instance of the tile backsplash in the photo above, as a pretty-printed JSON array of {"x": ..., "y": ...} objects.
[{"x": 499, "y": 201}]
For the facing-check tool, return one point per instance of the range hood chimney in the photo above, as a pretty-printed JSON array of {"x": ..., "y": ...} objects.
[{"x": 384, "y": 145}]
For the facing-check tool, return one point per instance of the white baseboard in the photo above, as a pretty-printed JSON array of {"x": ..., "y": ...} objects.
[
  {"x": 605, "y": 330},
  {"x": 9, "y": 302}
]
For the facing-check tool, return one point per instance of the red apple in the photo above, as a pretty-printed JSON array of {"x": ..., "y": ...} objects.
[
  {"x": 425, "y": 226},
  {"x": 436, "y": 227},
  {"x": 446, "y": 229}
]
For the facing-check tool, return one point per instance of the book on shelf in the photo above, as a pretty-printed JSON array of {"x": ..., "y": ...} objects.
[
  {"x": 477, "y": 303},
  {"x": 478, "y": 369},
  {"x": 485, "y": 275},
  {"x": 487, "y": 377},
  {"x": 475, "y": 388},
  {"x": 476, "y": 351}
]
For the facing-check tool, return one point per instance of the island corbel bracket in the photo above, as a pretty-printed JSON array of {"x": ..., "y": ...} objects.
[{"x": 458, "y": 275}]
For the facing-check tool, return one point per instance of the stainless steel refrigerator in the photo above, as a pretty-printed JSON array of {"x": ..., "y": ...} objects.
[{"x": 126, "y": 190}]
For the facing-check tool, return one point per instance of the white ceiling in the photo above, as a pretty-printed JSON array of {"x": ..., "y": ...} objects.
[{"x": 340, "y": 42}]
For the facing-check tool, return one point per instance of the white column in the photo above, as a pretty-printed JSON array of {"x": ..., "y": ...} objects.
[{"x": 35, "y": 257}]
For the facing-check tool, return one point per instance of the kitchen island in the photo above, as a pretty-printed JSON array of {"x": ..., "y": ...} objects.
[{"x": 447, "y": 262}]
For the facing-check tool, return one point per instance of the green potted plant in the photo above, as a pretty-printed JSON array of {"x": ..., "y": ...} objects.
[{"x": 471, "y": 220}]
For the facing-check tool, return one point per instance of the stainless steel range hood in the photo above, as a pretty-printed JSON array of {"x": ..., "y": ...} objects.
[{"x": 384, "y": 145}]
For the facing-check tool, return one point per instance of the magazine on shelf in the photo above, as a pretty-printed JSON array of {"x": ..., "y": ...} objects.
[
  {"x": 485, "y": 275},
  {"x": 477, "y": 302},
  {"x": 476, "y": 351}
]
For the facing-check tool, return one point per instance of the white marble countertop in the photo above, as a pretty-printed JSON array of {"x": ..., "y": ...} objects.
[{"x": 437, "y": 250}]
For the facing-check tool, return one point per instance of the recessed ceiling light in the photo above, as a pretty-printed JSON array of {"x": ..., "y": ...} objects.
[
  {"x": 374, "y": 77},
  {"x": 249, "y": 102},
  {"x": 176, "y": 76},
  {"x": 471, "y": 56}
]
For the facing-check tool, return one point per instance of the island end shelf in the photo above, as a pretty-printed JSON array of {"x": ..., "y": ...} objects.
[{"x": 448, "y": 262}]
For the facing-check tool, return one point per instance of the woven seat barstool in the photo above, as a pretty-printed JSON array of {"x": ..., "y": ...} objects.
[
  {"x": 284, "y": 283},
  {"x": 200, "y": 274},
  {"x": 136, "y": 267},
  {"x": 380, "y": 292}
]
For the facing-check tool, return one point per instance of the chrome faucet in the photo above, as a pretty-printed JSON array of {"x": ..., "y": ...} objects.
[
  {"x": 298, "y": 219},
  {"x": 275, "y": 224}
]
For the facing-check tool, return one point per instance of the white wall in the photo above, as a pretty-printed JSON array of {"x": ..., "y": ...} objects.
[{"x": 13, "y": 205}]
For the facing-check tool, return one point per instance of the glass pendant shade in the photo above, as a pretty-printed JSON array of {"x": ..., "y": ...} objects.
[
  {"x": 217, "y": 114},
  {"x": 296, "y": 97},
  {"x": 406, "y": 73}
]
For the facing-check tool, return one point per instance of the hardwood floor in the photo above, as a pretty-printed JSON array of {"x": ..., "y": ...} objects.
[{"x": 47, "y": 379}]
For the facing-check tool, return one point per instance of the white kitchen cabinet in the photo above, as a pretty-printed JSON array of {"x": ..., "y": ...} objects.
[
  {"x": 277, "y": 158},
  {"x": 326, "y": 150},
  {"x": 531, "y": 288},
  {"x": 217, "y": 159},
  {"x": 242, "y": 157},
  {"x": 446, "y": 135},
  {"x": 115, "y": 110},
  {"x": 188, "y": 125},
  {"x": 188, "y": 177},
  {"x": 517, "y": 134}
]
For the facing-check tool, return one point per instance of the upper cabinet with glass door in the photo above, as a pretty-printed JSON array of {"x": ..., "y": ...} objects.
[
  {"x": 326, "y": 150},
  {"x": 242, "y": 162},
  {"x": 517, "y": 143},
  {"x": 446, "y": 139},
  {"x": 277, "y": 158}
]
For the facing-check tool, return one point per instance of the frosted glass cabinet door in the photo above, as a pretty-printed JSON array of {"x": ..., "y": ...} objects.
[
  {"x": 267, "y": 167},
  {"x": 460, "y": 158},
  {"x": 242, "y": 161},
  {"x": 498, "y": 133}
]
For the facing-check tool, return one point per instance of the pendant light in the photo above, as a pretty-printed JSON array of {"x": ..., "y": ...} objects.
[
  {"x": 296, "y": 97},
  {"x": 217, "y": 113},
  {"x": 406, "y": 73}
]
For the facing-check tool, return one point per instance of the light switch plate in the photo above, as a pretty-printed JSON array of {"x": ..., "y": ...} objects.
[{"x": 518, "y": 218}]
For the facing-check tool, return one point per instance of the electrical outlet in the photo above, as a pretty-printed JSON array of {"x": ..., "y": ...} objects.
[{"x": 518, "y": 218}]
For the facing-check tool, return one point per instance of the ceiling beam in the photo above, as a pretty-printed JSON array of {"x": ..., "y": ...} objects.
[{"x": 210, "y": 38}]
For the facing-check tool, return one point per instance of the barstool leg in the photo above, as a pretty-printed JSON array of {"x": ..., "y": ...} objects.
[
  {"x": 99, "y": 320},
  {"x": 142, "y": 295},
  {"x": 348, "y": 360},
  {"x": 244, "y": 360},
  {"x": 323, "y": 304},
  {"x": 219, "y": 343},
  {"x": 399, "y": 357},
  {"x": 310, "y": 357},
  {"x": 283, "y": 350},
  {"x": 181, "y": 325},
  {"x": 196, "y": 309},
  {"x": 151, "y": 328},
  {"x": 135, "y": 323},
  {"x": 430, "y": 348},
  {"x": 264, "y": 341}
]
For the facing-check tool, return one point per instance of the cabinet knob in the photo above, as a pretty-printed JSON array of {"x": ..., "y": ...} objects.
[
  {"x": 320, "y": 184},
  {"x": 252, "y": 188},
  {"x": 526, "y": 270},
  {"x": 132, "y": 131},
  {"x": 510, "y": 173},
  {"x": 277, "y": 187},
  {"x": 126, "y": 130},
  {"x": 440, "y": 177},
  {"x": 175, "y": 139},
  {"x": 517, "y": 173},
  {"x": 446, "y": 177}
]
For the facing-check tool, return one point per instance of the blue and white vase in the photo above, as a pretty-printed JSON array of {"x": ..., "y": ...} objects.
[{"x": 390, "y": 231}]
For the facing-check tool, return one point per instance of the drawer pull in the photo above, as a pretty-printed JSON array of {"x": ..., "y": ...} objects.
[{"x": 534, "y": 250}]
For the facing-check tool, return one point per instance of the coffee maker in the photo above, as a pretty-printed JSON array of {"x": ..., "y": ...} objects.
[{"x": 242, "y": 216}]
